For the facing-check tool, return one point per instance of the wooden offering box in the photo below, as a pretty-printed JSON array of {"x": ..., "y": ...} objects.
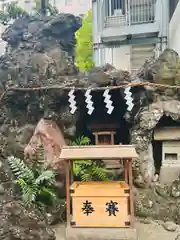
[
  {"x": 100, "y": 204},
  {"x": 108, "y": 205}
]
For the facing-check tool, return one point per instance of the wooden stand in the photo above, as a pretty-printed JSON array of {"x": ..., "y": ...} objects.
[
  {"x": 99, "y": 204},
  {"x": 104, "y": 135}
]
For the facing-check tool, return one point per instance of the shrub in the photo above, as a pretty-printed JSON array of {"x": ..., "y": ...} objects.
[
  {"x": 37, "y": 184},
  {"x": 88, "y": 170},
  {"x": 84, "y": 46}
]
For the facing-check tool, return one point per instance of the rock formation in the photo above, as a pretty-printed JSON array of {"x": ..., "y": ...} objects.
[
  {"x": 48, "y": 135},
  {"x": 40, "y": 53}
]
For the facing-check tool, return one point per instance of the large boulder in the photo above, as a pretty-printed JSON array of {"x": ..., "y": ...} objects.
[
  {"x": 162, "y": 70},
  {"x": 40, "y": 50}
]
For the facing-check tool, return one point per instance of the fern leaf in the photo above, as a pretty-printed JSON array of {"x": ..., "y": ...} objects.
[
  {"x": 99, "y": 172},
  {"x": 47, "y": 191},
  {"x": 80, "y": 165},
  {"x": 20, "y": 169},
  {"x": 83, "y": 140},
  {"x": 76, "y": 168},
  {"x": 80, "y": 141},
  {"x": 45, "y": 176},
  {"x": 86, "y": 177},
  {"x": 29, "y": 192}
]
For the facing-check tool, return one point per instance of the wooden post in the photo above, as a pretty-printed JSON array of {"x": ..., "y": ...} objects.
[
  {"x": 68, "y": 207},
  {"x": 131, "y": 192},
  {"x": 125, "y": 164},
  {"x": 112, "y": 138},
  {"x": 96, "y": 139},
  {"x": 71, "y": 171}
]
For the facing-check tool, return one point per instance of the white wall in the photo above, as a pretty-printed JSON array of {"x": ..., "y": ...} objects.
[
  {"x": 174, "y": 30},
  {"x": 119, "y": 57},
  {"x": 75, "y": 7},
  {"x": 2, "y": 43}
]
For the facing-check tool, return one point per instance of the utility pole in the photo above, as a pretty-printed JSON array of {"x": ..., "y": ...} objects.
[{"x": 43, "y": 7}]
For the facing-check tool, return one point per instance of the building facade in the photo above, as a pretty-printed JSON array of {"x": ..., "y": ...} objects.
[
  {"x": 174, "y": 26},
  {"x": 76, "y": 7},
  {"x": 127, "y": 32}
]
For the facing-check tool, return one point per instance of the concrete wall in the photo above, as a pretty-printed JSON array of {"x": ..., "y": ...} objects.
[
  {"x": 118, "y": 57},
  {"x": 174, "y": 30}
]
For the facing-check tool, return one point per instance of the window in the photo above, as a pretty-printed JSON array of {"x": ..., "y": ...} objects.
[
  {"x": 172, "y": 7},
  {"x": 171, "y": 156}
]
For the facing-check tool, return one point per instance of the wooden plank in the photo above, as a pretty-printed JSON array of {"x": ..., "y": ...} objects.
[
  {"x": 68, "y": 207},
  {"x": 167, "y": 133},
  {"x": 98, "y": 152},
  {"x": 100, "y": 217},
  {"x": 122, "y": 184},
  {"x": 131, "y": 193},
  {"x": 99, "y": 127},
  {"x": 104, "y": 133},
  {"x": 99, "y": 189}
]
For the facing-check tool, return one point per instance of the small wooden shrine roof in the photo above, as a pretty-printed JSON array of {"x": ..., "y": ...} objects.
[
  {"x": 98, "y": 152},
  {"x": 167, "y": 133}
]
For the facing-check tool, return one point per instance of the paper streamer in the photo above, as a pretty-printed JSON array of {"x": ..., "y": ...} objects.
[
  {"x": 72, "y": 101},
  {"x": 128, "y": 98},
  {"x": 107, "y": 100},
  {"x": 89, "y": 102}
]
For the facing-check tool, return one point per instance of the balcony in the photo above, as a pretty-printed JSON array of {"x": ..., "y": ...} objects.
[{"x": 123, "y": 17}]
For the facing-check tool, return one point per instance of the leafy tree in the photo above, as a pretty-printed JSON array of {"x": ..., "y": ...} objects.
[
  {"x": 37, "y": 184},
  {"x": 87, "y": 170},
  {"x": 12, "y": 11},
  {"x": 84, "y": 47}
]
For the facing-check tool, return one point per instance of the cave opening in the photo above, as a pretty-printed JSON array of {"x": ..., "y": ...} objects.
[
  {"x": 159, "y": 139},
  {"x": 101, "y": 117}
]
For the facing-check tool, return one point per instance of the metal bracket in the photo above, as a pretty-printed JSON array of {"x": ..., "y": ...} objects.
[
  {"x": 126, "y": 190},
  {"x": 73, "y": 223},
  {"x": 127, "y": 223},
  {"x": 72, "y": 190}
]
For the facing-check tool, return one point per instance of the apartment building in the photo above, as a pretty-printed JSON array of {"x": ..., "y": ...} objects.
[
  {"x": 127, "y": 32},
  {"x": 174, "y": 26}
]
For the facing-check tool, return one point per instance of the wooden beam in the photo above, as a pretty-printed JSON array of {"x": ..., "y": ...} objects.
[
  {"x": 102, "y": 152},
  {"x": 131, "y": 192},
  {"x": 126, "y": 171},
  {"x": 104, "y": 133},
  {"x": 68, "y": 206}
]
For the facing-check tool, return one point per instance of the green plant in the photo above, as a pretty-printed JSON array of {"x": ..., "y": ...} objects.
[
  {"x": 13, "y": 11},
  {"x": 37, "y": 184},
  {"x": 87, "y": 170},
  {"x": 84, "y": 47}
]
